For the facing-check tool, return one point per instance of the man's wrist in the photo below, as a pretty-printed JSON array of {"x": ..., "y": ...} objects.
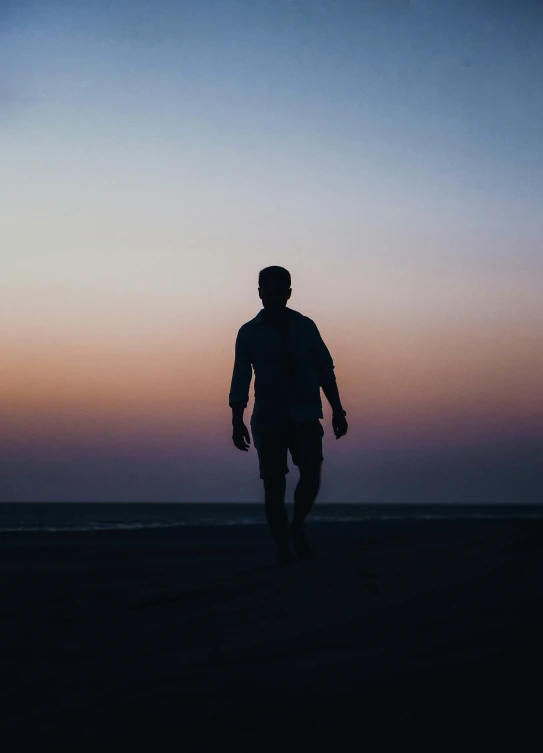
[
  {"x": 237, "y": 412},
  {"x": 339, "y": 412}
]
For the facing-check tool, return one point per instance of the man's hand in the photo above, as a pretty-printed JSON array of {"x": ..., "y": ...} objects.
[
  {"x": 339, "y": 424},
  {"x": 240, "y": 435}
]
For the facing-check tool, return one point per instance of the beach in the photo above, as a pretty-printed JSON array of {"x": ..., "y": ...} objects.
[{"x": 194, "y": 637}]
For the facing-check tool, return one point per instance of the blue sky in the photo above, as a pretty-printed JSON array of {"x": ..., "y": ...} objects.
[{"x": 156, "y": 155}]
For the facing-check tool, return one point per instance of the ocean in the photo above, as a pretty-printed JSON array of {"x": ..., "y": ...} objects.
[{"x": 100, "y": 516}]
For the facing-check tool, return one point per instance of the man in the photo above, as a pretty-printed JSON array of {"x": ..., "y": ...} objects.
[{"x": 291, "y": 364}]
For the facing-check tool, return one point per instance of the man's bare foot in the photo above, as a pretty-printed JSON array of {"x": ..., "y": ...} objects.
[
  {"x": 300, "y": 543},
  {"x": 284, "y": 557}
]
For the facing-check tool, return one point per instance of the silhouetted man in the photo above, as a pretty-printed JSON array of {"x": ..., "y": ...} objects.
[{"x": 291, "y": 364}]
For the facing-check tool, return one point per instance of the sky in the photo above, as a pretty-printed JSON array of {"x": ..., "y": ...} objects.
[{"x": 155, "y": 155}]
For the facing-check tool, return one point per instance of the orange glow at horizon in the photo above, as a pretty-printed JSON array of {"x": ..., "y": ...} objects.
[{"x": 394, "y": 381}]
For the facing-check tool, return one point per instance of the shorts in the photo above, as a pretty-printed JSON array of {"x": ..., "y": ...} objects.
[{"x": 303, "y": 440}]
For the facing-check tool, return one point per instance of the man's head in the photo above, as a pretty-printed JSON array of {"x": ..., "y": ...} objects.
[{"x": 274, "y": 288}]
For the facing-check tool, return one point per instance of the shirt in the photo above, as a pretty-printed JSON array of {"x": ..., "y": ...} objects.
[{"x": 290, "y": 363}]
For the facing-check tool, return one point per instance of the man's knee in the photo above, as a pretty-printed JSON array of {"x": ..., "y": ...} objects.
[
  {"x": 310, "y": 466},
  {"x": 274, "y": 481},
  {"x": 310, "y": 471}
]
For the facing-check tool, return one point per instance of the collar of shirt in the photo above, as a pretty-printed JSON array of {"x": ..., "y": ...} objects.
[
  {"x": 264, "y": 316},
  {"x": 280, "y": 322}
]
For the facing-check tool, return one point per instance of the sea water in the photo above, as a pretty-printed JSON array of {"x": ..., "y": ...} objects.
[{"x": 96, "y": 516}]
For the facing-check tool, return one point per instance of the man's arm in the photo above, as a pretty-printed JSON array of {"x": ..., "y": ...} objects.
[
  {"x": 332, "y": 395},
  {"x": 237, "y": 412},
  {"x": 241, "y": 378},
  {"x": 325, "y": 369}
]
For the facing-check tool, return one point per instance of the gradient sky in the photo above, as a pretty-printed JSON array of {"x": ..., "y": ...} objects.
[{"x": 155, "y": 155}]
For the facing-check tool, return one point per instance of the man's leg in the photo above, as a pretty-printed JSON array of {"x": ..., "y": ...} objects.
[
  {"x": 304, "y": 496},
  {"x": 306, "y": 490},
  {"x": 305, "y": 443},
  {"x": 271, "y": 446},
  {"x": 276, "y": 512}
]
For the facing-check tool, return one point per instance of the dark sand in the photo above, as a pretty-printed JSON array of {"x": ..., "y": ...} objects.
[{"x": 189, "y": 639}]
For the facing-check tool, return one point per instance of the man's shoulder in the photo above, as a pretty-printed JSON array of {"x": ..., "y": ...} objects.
[
  {"x": 246, "y": 330},
  {"x": 247, "y": 326},
  {"x": 302, "y": 319}
]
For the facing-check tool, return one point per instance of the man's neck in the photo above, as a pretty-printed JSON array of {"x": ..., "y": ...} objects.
[{"x": 276, "y": 315}]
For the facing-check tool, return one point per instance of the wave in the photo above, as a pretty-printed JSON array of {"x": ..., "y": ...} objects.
[{"x": 215, "y": 522}]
